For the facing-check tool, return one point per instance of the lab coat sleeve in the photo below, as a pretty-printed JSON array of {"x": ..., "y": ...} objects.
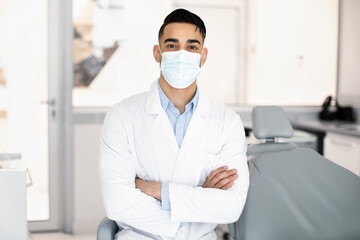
[
  {"x": 123, "y": 202},
  {"x": 197, "y": 204}
]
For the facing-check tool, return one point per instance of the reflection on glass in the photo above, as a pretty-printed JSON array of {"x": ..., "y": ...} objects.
[
  {"x": 113, "y": 43},
  {"x": 95, "y": 42},
  {"x": 92, "y": 54}
]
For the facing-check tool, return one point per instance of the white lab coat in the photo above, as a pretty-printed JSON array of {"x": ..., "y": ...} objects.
[{"x": 138, "y": 141}]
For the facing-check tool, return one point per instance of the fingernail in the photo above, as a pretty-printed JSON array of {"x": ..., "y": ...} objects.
[{"x": 234, "y": 170}]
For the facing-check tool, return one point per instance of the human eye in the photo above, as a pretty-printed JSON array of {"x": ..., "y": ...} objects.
[
  {"x": 171, "y": 46},
  {"x": 193, "y": 48}
]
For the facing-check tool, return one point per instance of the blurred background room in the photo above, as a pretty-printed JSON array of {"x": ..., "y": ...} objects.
[{"x": 64, "y": 63}]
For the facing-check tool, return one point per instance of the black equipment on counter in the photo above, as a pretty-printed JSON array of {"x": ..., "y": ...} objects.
[{"x": 337, "y": 112}]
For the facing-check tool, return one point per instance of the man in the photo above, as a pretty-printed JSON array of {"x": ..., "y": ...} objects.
[{"x": 172, "y": 162}]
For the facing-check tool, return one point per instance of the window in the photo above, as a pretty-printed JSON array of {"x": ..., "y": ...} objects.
[
  {"x": 113, "y": 43},
  {"x": 24, "y": 119}
]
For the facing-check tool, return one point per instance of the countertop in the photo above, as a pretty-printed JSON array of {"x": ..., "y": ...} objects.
[
  {"x": 9, "y": 156},
  {"x": 346, "y": 128}
]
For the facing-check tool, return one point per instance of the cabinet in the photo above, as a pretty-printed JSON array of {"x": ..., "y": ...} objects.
[{"x": 343, "y": 150}]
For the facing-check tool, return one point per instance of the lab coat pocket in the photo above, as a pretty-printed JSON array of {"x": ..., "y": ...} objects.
[{"x": 209, "y": 163}]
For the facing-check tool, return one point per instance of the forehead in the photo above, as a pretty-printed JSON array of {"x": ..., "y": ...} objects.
[{"x": 181, "y": 31}]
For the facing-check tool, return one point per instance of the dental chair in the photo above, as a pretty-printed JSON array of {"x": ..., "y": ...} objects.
[
  {"x": 107, "y": 229},
  {"x": 295, "y": 193}
]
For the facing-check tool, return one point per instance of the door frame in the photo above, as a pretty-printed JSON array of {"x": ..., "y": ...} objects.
[{"x": 60, "y": 84}]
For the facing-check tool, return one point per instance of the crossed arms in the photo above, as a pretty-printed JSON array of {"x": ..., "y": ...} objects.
[
  {"x": 221, "y": 178},
  {"x": 135, "y": 203}
]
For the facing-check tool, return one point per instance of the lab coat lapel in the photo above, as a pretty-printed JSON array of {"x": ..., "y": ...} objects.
[
  {"x": 161, "y": 122},
  {"x": 195, "y": 134}
]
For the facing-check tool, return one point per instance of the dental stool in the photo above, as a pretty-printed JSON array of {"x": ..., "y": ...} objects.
[
  {"x": 295, "y": 193},
  {"x": 107, "y": 229}
]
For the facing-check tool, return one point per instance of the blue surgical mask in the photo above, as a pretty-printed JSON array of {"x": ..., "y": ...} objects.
[{"x": 180, "y": 68}]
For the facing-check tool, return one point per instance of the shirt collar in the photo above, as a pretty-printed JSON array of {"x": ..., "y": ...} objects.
[{"x": 165, "y": 100}]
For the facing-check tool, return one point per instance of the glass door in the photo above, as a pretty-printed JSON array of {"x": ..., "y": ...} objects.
[{"x": 27, "y": 111}]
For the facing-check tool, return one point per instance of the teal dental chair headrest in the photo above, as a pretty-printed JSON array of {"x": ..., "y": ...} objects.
[{"x": 270, "y": 122}]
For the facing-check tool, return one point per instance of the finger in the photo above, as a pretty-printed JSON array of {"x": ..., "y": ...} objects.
[
  {"x": 216, "y": 172},
  {"x": 225, "y": 181},
  {"x": 222, "y": 175},
  {"x": 209, "y": 183},
  {"x": 228, "y": 185},
  {"x": 219, "y": 177}
]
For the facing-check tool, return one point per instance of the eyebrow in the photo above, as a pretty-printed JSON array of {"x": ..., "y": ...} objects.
[
  {"x": 193, "y": 41},
  {"x": 177, "y": 40},
  {"x": 171, "y": 40}
]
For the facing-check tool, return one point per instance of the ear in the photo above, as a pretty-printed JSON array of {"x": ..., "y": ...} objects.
[
  {"x": 156, "y": 53},
  {"x": 203, "y": 56}
]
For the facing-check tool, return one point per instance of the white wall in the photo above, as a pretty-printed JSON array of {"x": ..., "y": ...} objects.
[
  {"x": 292, "y": 51},
  {"x": 88, "y": 205},
  {"x": 349, "y": 55}
]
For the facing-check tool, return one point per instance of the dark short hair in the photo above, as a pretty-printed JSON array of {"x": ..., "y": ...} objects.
[{"x": 183, "y": 16}]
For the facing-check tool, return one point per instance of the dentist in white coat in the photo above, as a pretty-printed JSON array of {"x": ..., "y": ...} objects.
[{"x": 172, "y": 162}]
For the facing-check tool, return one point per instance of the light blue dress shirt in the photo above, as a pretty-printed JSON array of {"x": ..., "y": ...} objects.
[{"x": 179, "y": 123}]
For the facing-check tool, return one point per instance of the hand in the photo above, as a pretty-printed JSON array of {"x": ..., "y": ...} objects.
[
  {"x": 152, "y": 189},
  {"x": 221, "y": 178}
]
